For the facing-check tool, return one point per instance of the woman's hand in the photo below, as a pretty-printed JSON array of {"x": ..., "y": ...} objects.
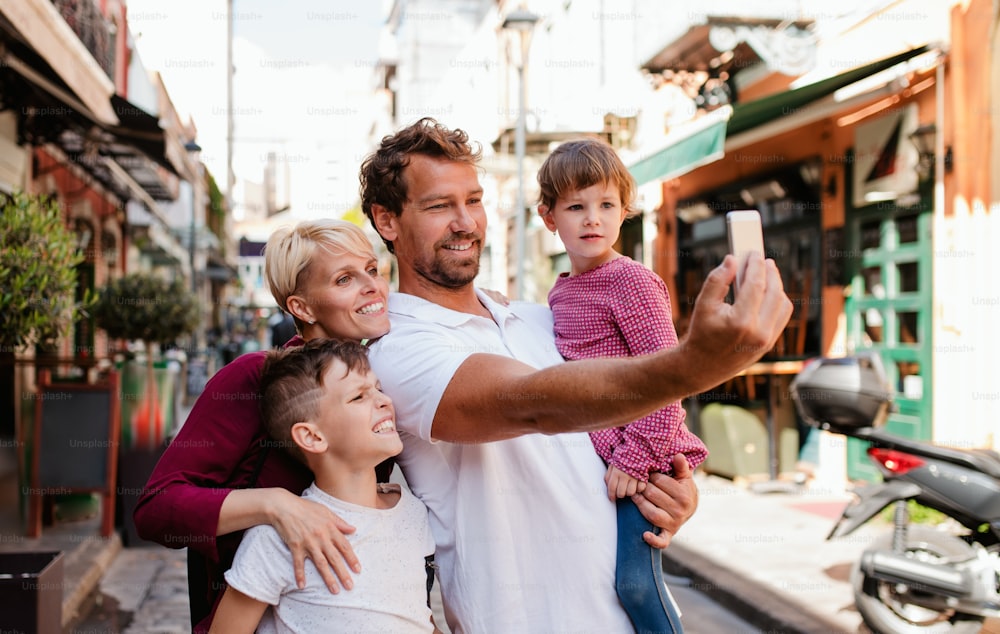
[
  {"x": 668, "y": 501},
  {"x": 311, "y": 530}
]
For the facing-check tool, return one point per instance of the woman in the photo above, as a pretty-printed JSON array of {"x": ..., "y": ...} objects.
[{"x": 325, "y": 274}]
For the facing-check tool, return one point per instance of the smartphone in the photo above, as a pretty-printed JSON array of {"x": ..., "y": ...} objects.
[{"x": 745, "y": 237}]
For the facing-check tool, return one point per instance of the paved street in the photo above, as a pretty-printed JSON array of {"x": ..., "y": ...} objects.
[{"x": 144, "y": 592}]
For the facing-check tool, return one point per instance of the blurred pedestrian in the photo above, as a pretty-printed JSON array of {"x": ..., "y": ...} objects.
[{"x": 282, "y": 328}]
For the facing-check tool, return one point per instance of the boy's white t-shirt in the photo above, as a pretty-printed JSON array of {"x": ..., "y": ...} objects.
[{"x": 389, "y": 594}]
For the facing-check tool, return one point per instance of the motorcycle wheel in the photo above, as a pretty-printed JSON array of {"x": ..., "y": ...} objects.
[{"x": 887, "y": 611}]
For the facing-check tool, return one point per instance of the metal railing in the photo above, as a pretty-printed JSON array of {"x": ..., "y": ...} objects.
[{"x": 95, "y": 31}]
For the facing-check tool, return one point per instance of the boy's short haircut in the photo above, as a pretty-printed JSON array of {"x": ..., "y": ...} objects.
[
  {"x": 291, "y": 250},
  {"x": 291, "y": 384},
  {"x": 576, "y": 165}
]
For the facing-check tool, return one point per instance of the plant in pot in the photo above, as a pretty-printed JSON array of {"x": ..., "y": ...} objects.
[
  {"x": 146, "y": 308},
  {"x": 39, "y": 256}
]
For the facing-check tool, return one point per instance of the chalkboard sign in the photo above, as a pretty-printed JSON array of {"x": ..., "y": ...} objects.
[{"x": 75, "y": 445}]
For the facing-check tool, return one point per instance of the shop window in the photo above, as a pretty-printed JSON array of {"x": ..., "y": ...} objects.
[
  {"x": 909, "y": 383},
  {"x": 909, "y": 281},
  {"x": 619, "y": 131},
  {"x": 906, "y": 228},
  {"x": 83, "y": 327},
  {"x": 872, "y": 276},
  {"x": 109, "y": 249},
  {"x": 788, "y": 199},
  {"x": 873, "y": 322},
  {"x": 630, "y": 239},
  {"x": 907, "y": 325},
  {"x": 871, "y": 234}
]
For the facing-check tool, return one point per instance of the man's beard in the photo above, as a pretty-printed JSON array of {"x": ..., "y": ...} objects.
[{"x": 451, "y": 274}]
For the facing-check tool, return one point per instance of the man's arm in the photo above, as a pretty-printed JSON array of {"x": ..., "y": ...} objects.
[{"x": 491, "y": 397}]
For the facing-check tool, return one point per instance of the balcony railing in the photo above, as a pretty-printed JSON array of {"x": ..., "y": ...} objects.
[{"x": 96, "y": 33}]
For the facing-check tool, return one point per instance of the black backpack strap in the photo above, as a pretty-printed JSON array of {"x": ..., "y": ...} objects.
[{"x": 431, "y": 568}]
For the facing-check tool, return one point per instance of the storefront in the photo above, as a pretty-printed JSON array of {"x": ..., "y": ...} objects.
[{"x": 847, "y": 202}]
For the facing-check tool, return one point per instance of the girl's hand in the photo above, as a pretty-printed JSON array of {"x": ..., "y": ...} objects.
[
  {"x": 311, "y": 530},
  {"x": 621, "y": 484}
]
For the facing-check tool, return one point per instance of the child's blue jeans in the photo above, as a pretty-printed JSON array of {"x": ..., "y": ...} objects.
[{"x": 639, "y": 576}]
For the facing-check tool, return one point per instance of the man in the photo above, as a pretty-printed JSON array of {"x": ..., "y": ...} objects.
[{"x": 525, "y": 532}]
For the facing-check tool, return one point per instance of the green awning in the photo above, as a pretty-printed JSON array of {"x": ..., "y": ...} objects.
[
  {"x": 751, "y": 114},
  {"x": 706, "y": 141},
  {"x": 694, "y": 150}
]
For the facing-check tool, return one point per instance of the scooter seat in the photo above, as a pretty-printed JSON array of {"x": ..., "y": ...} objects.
[{"x": 984, "y": 460}]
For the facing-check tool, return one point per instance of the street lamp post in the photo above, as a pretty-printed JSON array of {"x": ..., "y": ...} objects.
[
  {"x": 192, "y": 149},
  {"x": 523, "y": 22}
]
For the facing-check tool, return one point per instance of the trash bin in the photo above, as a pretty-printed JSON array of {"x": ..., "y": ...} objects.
[
  {"x": 736, "y": 441},
  {"x": 31, "y": 592}
]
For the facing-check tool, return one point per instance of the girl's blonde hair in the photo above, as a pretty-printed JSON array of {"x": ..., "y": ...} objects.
[{"x": 290, "y": 251}]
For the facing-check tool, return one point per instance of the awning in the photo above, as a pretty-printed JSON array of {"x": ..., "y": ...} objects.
[
  {"x": 51, "y": 113},
  {"x": 45, "y": 31},
  {"x": 754, "y": 113},
  {"x": 703, "y": 142},
  {"x": 695, "y": 145}
]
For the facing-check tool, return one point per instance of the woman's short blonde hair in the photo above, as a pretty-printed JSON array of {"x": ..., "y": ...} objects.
[{"x": 290, "y": 251}]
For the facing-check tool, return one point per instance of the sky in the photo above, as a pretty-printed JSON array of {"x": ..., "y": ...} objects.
[{"x": 301, "y": 84}]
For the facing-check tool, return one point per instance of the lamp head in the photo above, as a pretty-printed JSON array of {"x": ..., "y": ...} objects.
[
  {"x": 923, "y": 138},
  {"x": 520, "y": 20}
]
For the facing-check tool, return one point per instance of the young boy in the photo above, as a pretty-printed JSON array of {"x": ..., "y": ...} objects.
[
  {"x": 323, "y": 404},
  {"x": 608, "y": 305}
]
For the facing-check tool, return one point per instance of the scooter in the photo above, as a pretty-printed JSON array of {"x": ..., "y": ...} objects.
[{"x": 917, "y": 579}]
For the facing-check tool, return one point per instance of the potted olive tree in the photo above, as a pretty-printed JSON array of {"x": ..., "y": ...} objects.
[
  {"x": 38, "y": 302},
  {"x": 146, "y": 308},
  {"x": 38, "y": 259}
]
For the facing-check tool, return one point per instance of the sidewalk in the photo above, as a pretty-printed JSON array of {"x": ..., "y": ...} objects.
[{"x": 765, "y": 557}]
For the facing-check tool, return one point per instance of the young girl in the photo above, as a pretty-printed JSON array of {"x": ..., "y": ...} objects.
[{"x": 609, "y": 305}]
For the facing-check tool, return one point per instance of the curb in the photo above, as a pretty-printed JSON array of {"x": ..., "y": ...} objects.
[
  {"x": 85, "y": 566},
  {"x": 751, "y": 600}
]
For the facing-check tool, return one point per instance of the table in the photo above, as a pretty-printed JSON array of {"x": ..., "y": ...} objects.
[{"x": 769, "y": 370}]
